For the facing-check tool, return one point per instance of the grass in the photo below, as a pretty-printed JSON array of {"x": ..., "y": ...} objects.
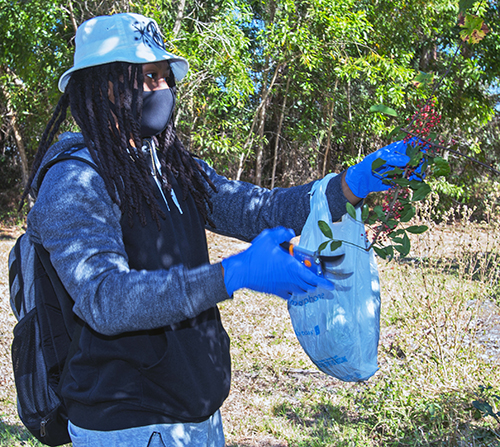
[
  {"x": 439, "y": 347},
  {"x": 15, "y": 436},
  {"x": 439, "y": 356}
]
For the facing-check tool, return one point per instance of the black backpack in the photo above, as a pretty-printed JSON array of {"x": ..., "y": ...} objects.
[{"x": 46, "y": 334}]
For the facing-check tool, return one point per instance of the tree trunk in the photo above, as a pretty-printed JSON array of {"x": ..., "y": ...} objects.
[
  {"x": 349, "y": 118},
  {"x": 260, "y": 129},
  {"x": 278, "y": 133},
  {"x": 178, "y": 19},
  {"x": 240, "y": 166},
  {"x": 21, "y": 148},
  {"x": 328, "y": 138},
  {"x": 330, "y": 109},
  {"x": 72, "y": 15},
  {"x": 256, "y": 117},
  {"x": 266, "y": 89},
  {"x": 260, "y": 148}
]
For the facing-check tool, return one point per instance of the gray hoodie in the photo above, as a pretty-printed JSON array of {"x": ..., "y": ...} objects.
[{"x": 76, "y": 221}]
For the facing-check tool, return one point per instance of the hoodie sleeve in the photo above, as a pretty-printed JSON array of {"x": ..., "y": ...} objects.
[
  {"x": 242, "y": 210},
  {"x": 76, "y": 221}
]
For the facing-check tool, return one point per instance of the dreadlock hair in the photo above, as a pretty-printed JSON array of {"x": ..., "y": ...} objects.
[{"x": 111, "y": 131}]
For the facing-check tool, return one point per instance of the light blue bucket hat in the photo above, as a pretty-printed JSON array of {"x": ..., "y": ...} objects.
[{"x": 123, "y": 37}]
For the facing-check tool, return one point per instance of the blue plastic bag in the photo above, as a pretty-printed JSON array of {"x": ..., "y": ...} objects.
[{"x": 339, "y": 330}]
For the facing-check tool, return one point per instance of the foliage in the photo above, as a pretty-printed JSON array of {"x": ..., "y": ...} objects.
[
  {"x": 483, "y": 405},
  {"x": 406, "y": 187},
  {"x": 424, "y": 145},
  {"x": 213, "y": 115},
  {"x": 12, "y": 436},
  {"x": 33, "y": 45},
  {"x": 280, "y": 91}
]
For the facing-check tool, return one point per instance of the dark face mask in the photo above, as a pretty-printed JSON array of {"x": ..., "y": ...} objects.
[{"x": 157, "y": 108}]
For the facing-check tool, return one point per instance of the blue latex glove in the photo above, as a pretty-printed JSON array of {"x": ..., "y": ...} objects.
[
  {"x": 362, "y": 180},
  {"x": 266, "y": 267}
]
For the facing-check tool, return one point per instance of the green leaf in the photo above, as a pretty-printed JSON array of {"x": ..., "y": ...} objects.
[
  {"x": 417, "y": 229},
  {"x": 385, "y": 252},
  {"x": 441, "y": 167},
  {"x": 334, "y": 245},
  {"x": 415, "y": 159},
  {"x": 402, "y": 182},
  {"x": 396, "y": 134},
  {"x": 378, "y": 210},
  {"x": 323, "y": 246},
  {"x": 382, "y": 252},
  {"x": 423, "y": 168},
  {"x": 415, "y": 184},
  {"x": 404, "y": 201},
  {"x": 474, "y": 29},
  {"x": 378, "y": 163},
  {"x": 325, "y": 229},
  {"x": 396, "y": 233},
  {"x": 421, "y": 193},
  {"x": 423, "y": 79},
  {"x": 407, "y": 215},
  {"x": 483, "y": 407},
  {"x": 393, "y": 172},
  {"x": 464, "y": 5},
  {"x": 406, "y": 244},
  {"x": 351, "y": 210},
  {"x": 365, "y": 212},
  {"x": 392, "y": 223},
  {"x": 380, "y": 108},
  {"x": 390, "y": 252},
  {"x": 412, "y": 150},
  {"x": 402, "y": 250}
]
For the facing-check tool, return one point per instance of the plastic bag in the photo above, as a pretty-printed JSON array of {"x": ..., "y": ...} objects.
[{"x": 339, "y": 330}]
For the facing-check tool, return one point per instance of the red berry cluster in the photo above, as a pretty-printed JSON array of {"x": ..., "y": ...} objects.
[
  {"x": 392, "y": 207},
  {"x": 423, "y": 120},
  {"x": 397, "y": 206},
  {"x": 419, "y": 127},
  {"x": 381, "y": 234}
]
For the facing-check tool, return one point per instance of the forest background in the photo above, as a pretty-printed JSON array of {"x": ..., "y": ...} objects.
[{"x": 278, "y": 92}]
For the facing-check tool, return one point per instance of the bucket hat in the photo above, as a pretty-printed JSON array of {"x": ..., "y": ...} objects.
[{"x": 122, "y": 37}]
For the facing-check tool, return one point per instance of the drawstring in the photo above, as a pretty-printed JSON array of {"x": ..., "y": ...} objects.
[{"x": 156, "y": 169}]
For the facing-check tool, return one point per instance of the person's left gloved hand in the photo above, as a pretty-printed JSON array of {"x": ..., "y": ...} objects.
[{"x": 362, "y": 180}]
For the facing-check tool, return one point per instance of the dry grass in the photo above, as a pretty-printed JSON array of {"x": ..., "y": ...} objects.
[{"x": 440, "y": 342}]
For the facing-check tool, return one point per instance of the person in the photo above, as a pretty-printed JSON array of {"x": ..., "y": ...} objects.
[{"x": 126, "y": 235}]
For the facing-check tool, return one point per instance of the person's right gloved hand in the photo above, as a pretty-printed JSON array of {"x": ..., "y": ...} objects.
[{"x": 266, "y": 267}]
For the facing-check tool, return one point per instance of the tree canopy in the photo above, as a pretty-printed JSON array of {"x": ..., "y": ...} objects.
[{"x": 278, "y": 92}]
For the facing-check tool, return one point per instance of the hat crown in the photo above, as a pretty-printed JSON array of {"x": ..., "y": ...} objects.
[
  {"x": 125, "y": 37},
  {"x": 105, "y": 34}
]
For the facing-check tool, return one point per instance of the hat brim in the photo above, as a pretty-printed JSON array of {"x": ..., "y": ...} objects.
[{"x": 178, "y": 65}]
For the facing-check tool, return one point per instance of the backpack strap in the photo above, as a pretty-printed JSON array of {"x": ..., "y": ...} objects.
[
  {"x": 65, "y": 155},
  {"x": 73, "y": 348},
  {"x": 61, "y": 295},
  {"x": 72, "y": 323},
  {"x": 14, "y": 271}
]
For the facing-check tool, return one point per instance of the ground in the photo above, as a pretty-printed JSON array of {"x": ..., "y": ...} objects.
[{"x": 264, "y": 320}]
